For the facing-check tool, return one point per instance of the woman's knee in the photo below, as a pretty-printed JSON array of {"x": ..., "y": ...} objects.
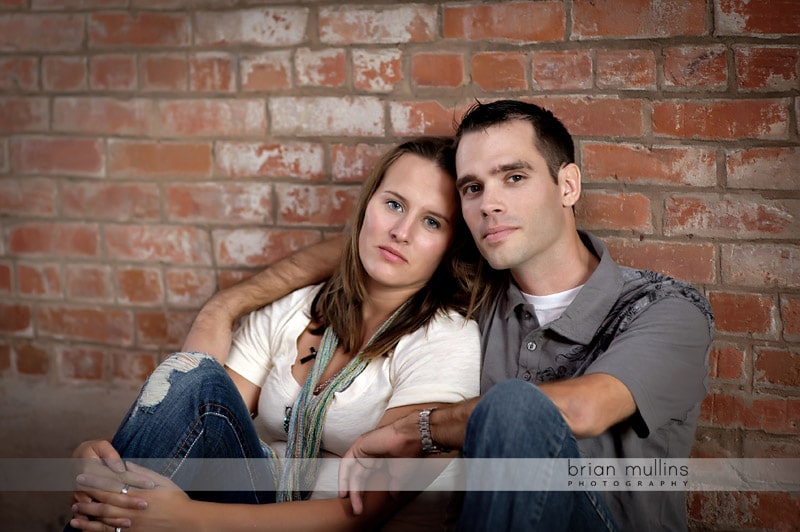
[{"x": 178, "y": 372}]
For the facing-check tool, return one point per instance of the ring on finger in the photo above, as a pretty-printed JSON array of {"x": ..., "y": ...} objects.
[
  {"x": 124, "y": 490},
  {"x": 118, "y": 529}
]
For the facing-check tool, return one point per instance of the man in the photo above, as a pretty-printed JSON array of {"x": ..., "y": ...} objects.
[{"x": 581, "y": 357}]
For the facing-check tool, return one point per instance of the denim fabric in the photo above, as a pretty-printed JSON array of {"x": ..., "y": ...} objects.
[{"x": 514, "y": 419}]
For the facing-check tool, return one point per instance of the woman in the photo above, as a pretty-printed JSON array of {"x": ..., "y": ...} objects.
[{"x": 385, "y": 336}]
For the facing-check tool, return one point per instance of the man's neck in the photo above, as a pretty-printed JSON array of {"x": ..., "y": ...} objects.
[{"x": 567, "y": 266}]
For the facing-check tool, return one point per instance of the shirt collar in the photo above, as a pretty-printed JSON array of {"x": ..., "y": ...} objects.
[{"x": 584, "y": 315}]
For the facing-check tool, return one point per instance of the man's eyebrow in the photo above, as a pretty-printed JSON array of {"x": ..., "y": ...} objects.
[{"x": 499, "y": 169}]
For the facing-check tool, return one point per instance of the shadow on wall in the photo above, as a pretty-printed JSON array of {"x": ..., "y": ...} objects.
[{"x": 43, "y": 422}]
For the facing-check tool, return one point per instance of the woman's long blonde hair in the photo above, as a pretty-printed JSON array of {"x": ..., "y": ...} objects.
[{"x": 456, "y": 283}]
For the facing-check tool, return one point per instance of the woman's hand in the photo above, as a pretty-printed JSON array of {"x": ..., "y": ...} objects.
[
  {"x": 165, "y": 507},
  {"x": 100, "y": 467}
]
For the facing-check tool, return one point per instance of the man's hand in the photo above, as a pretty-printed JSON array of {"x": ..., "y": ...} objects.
[{"x": 367, "y": 456}]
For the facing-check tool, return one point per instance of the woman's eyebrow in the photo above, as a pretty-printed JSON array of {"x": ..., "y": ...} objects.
[{"x": 429, "y": 211}]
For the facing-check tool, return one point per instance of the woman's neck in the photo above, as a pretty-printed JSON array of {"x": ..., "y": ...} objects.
[{"x": 377, "y": 308}]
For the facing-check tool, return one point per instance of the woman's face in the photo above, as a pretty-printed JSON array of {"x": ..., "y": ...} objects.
[{"x": 408, "y": 225}]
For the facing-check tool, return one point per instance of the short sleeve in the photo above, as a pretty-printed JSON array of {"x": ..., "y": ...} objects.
[
  {"x": 438, "y": 363},
  {"x": 663, "y": 360},
  {"x": 256, "y": 340}
]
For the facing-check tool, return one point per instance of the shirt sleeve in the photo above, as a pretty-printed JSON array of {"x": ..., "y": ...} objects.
[
  {"x": 438, "y": 363},
  {"x": 663, "y": 360}
]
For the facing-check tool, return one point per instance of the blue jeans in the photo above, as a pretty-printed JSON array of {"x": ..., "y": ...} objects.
[
  {"x": 190, "y": 424},
  {"x": 514, "y": 419}
]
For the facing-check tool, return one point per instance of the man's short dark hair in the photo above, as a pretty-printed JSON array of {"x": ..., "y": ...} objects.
[{"x": 551, "y": 138}]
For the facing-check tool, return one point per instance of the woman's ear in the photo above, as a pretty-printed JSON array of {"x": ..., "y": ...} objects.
[{"x": 569, "y": 180}]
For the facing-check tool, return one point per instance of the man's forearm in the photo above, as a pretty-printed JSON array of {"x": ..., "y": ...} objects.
[{"x": 449, "y": 423}]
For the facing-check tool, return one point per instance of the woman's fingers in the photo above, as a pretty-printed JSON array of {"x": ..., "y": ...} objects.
[
  {"x": 81, "y": 523},
  {"x": 99, "y": 480}
]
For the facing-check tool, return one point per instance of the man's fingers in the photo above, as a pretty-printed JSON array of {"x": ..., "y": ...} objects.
[{"x": 82, "y": 523}]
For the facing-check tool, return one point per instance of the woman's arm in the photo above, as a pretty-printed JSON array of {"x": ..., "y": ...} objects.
[{"x": 211, "y": 330}]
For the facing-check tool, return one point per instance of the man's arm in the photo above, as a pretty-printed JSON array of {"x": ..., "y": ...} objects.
[{"x": 211, "y": 330}]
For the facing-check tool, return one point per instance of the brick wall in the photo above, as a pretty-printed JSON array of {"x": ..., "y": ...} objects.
[{"x": 152, "y": 151}]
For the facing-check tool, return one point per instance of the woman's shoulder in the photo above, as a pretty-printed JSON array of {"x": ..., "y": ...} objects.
[{"x": 445, "y": 326}]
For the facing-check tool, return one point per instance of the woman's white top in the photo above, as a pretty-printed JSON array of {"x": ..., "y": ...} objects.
[{"x": 437, "y": 363}]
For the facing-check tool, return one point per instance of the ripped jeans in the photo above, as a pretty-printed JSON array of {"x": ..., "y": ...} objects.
[{"x": 191, "y": 425}]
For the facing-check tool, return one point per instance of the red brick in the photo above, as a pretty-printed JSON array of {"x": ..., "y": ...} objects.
[
  {"x": 189, "y": 287},
  {"x": 726, "y": 361},
  {"x": 741, "y": 510},
  {"x": 163, "y": 330},
  {"x": 221, "y": 203},
  {"x": 139, "y": 286},
  {"x": 113, "y": 72},
  {"x": 266, "y": 71},
  {"x": 642, "y": 19},
  {"x": 213, "y": 118},
  {"x": 349, "y": 116},
  {"x": 64, "y": 73},
  {"x": 15, "y": 318},
  {"x": 4, "y": 158},
  {"x": 28, "y": 196},
  {"x": 103, "y": 116},
  {"x": 597, "y": 116},
  {"x": 146, "y": 160},
  {"x": 778, "y": 415},
  {"x": 608, "y": 210},
  {"x": 315, "y": 205},
  {"x": 562, "y": 69},
  {"x": 23, "y": 115},
  {"x": 120, "y": 29},
  {"x": 263, "y": 27},
  {"x": 258, "y": 247},
  {"x": 5, "y": 358},
  {"x": 13, "y": 4},
  {"x": 437, "y": 69},
  {"x": 41, "y": 33},
  {"x": 719, "y": 120},
  {"x": 499, "y": 71},
  {"x": 757, "y": 17},
  {"x": 212, "y": 72},
  {"x": 54, "y": 155},
  {"x": 767, "y": 68},
  {"x": 777, "y": 367},
  {"x": 661, "y": 165},
  {"x": 790, "y": 315},
  {"x": 770, "y": 168},
  {"x": 422, "y": 118},
  {"x": 513, "y": 21},
  {"x": 760, "y": 445},
  {"x": 349, "y": 24},
  {"x": 355, "y": 163},
  {"x": 320, "y": 68},
  {"x": 132, "y": 366},
  {"x": 377, "y": 70},
  {"x": 626, "y": 69},
  {"x": 88, "y": 282},
  {"x": 32, "y": 360},
  {"x": 761, "y": 265},
  {"x": 62, "y": 239},
  {"x": 111, "y": 201},
  {"x": 745, "y": 216},
  {"x": 168, "y": 244},
  {"x": 105, "y": 325},
  {"x": 50, "y": 5},
  {"x": 5, "y": 279},
  {"x": 695, "y": 263},
  {"x": 696, "y": 67},
  {"x": 82, "y": 364},
  {"x": 39, "y": 280},
  {"x": 164, "y": 72},
  {"x": 18, "y": 73},
  {"x": 248, "y": 159},
  {"x": 751, "y": 314}
]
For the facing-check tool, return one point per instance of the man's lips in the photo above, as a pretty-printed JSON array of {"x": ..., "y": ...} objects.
[
  {"x": 497, "y": 233},
  {"x": 391, "y": 254}
]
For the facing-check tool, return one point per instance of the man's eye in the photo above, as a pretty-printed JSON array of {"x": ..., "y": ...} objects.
[
  {"x": 471, "y": 189},
  {"x": 515, "y": 178}
]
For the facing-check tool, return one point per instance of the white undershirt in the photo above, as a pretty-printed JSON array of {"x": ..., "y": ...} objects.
[{"x": 549, "y": 308}]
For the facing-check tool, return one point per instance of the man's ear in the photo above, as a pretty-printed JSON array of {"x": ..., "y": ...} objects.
[{"x": 569, "y": 180}]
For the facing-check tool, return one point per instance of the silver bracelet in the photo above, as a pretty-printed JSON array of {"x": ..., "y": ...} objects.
[{"x": 428, "y": 445}]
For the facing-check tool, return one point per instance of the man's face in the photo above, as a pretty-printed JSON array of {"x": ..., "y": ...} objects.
[{"x": 514, "y": 209}]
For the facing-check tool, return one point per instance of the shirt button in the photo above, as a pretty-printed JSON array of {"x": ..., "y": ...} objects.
[
  {"x": 527, "y": 376},
  {"x": 531, "y": 346}
]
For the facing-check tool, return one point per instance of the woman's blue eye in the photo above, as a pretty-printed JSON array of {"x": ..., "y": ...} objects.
[
  {"x": 395, "y": 206},
  {"x": 432, "y": 223}
]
